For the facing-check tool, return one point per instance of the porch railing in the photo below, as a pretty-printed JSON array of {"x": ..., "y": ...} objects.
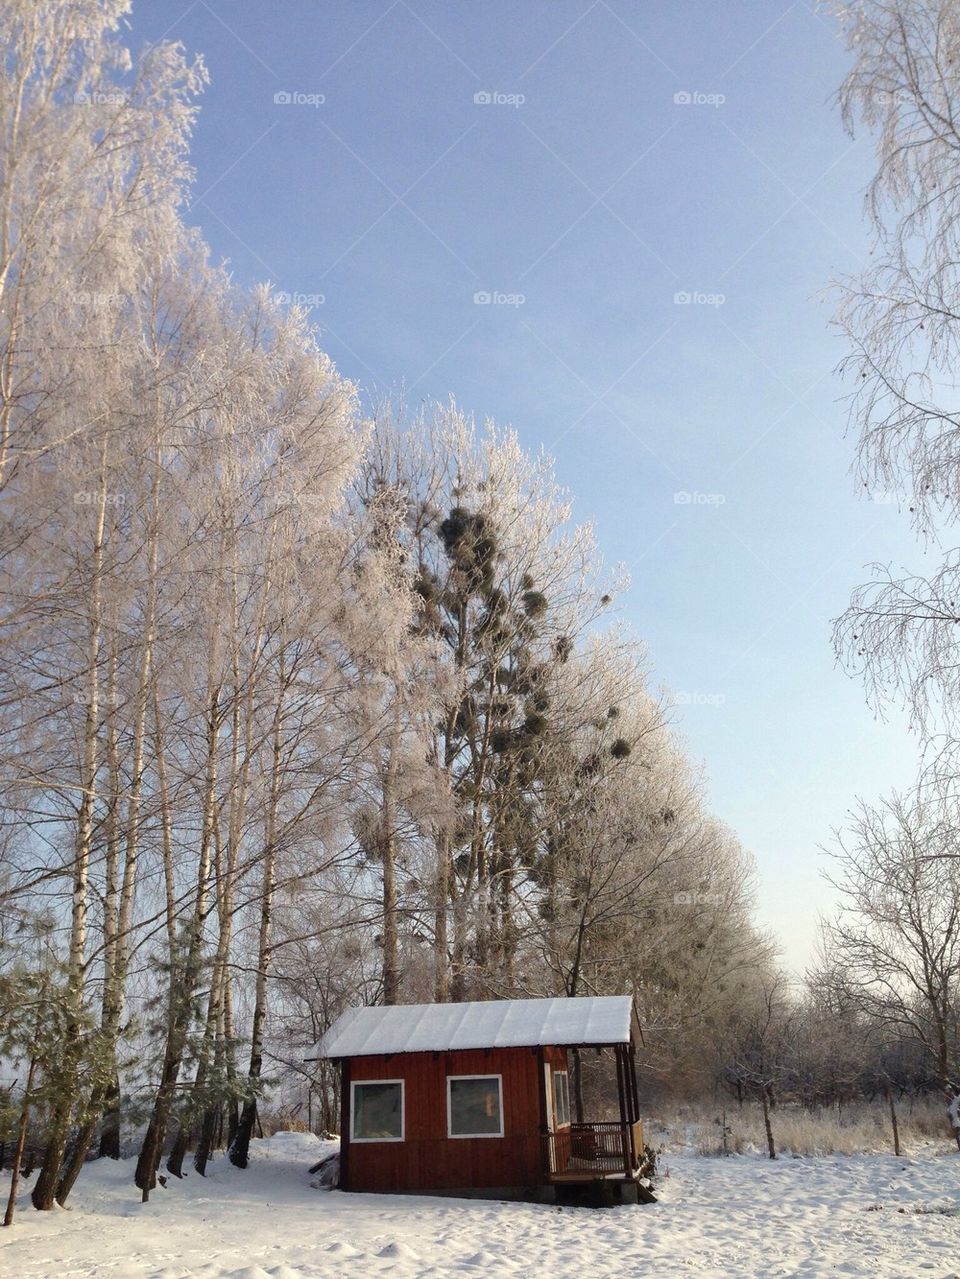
[{"x": 595, "y": 1149}]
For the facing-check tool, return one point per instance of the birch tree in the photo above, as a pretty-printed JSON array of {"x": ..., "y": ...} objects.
[{"x": 902, "y": 327}]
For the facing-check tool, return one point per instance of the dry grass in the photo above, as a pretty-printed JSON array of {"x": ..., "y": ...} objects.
[
  {"x": 859, "y": 1128},
  {"x": 280, "y": 1120}
]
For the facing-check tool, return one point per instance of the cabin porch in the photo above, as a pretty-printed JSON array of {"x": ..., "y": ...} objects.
[
  {"x": 601, "y": 1155},
  {"x": 583, "y": 1152}
]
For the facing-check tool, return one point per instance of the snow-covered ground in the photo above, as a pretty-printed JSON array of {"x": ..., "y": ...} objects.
[{"x": 870, "y": 1215}]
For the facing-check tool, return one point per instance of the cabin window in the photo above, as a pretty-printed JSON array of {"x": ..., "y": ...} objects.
[
  {"x": 475, "y": 1106},
  {"x": 376, "y": 1110},
  {"x": 561, "y": 1097}
]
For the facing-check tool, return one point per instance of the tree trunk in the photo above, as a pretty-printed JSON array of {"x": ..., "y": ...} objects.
[
  {"x": 212, "y": 1117},
  {"x": 110, "y": 1132},
  {"x": 18, "y": 1149},
  {"x": 210, "y": 1056},
  {"x": 458, "y": 956},
  {"x": 108, "y": 1097},
  {"x": 45, "y": 1189},
  {"x": 765, "y": 1103},
  {"x": 508, "y": 942},
  {"x": 152, "y": 1147},
  {"x": 441, "y": 970},
  {"x": 953, "y": 1110},
  {"x": 233, "y": 1109},
  {"x": 893, "y": 1121},
  {"x": 240, "y": 1147},
  {"x": 243, "y": 717},
  {"x": 212, "y": 1046},
  {"x": 44, "y": 1194},
  {"x": 183, "y": 978},
  {"x": 181, "y": 1143},
  {"x": 78, "y": 1152},
  {"x": 115, "y": 976},
  {"x": 388, "y": 850}
]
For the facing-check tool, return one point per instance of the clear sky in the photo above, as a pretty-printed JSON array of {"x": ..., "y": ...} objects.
[{"x": 537, "y": 152}]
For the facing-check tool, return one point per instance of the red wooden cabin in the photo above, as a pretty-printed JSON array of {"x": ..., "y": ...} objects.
[{"x": 474, "y": 1098}]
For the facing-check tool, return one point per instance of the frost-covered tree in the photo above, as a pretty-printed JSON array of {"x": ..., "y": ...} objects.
[
  {"x": 506, "y": 585},
  {"x": 759, "y": 1044},
  {"x": 894, "y": 948},
  {"x": 901, "y": 320},
  {"x": 295, "y": 710}
]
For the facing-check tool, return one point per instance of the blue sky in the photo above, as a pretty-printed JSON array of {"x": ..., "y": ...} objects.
[{"x": 579, "y": 183}]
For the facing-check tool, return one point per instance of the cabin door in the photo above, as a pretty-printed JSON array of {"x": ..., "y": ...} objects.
[{"x": 550, "y": 1116}]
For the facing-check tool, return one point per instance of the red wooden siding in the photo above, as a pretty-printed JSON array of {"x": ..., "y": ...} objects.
[
  {"x": 557, "y": 1057},
  {"x": 427, "y": 1159}
]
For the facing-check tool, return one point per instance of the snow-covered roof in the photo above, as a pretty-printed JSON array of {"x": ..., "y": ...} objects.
[{"x": 502, "y": 1023}]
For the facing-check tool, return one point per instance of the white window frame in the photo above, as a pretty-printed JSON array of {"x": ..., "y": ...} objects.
[
  {"x": 473, "y": 1136},
  {"x": 548, "y": 1095},
  {"x": 361, "y": 1083},
  {"x": 561, "y": 1123}
]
